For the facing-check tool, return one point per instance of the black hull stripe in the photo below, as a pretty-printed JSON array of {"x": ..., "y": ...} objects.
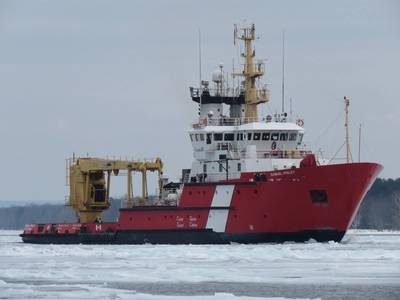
[{"x": 182, "y": 237}]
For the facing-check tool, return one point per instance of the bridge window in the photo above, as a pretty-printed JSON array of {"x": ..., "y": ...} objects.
[
  {"x": 239, "y": 137},
  {"x": 239, "y": 167},
  {"x": 292, "y": 136},
  {"x": 283, "y": 136},
  {"x": 265, "y": 136},
  {"x": 229, "y": 137},
  {"x": 209, "y": 137},
  {"x": 300, "y": 138},
  {"x": 275, "y": 136},
  {"x": 249, "y": 136},
  {"x": 197, "y": 137},
  {"x": 217, "y": 136},
  {"x": 191, "y": 137},
  {"x": 202, "y": 137},
  {"x": 257, "y": 136}
]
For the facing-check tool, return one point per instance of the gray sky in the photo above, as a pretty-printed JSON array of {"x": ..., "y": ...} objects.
[{"x": 112, "y": 78}]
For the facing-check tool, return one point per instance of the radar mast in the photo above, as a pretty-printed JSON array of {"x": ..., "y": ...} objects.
[{"x": 251, "y": 71}]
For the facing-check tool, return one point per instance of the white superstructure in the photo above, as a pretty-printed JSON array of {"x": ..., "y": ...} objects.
[
  {"x": 225, "y": 145},
  {"x": 223, "y": 148}
]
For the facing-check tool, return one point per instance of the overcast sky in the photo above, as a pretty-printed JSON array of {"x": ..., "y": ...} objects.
[{"x": 113, "y": 77}]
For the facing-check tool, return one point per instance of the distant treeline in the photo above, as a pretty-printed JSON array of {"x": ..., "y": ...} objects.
[
  {"x": 381, "y": 206},
  {"x": 379, "y": 210},
  {"x": 15, "y": 217}
]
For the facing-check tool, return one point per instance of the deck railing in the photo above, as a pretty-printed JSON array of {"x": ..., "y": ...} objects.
[
  {"x": 289, "y": 154},
  {"x": 234, "y": 153},
  {"x": 223, "y": 121},
  {"x": 212, "y": 177},
  {"x": 262, "y": 92},
  {"x": 224, "y": 92}
]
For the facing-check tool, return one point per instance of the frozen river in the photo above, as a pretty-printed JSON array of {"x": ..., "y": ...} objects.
[{"x": 365, "y": 265}]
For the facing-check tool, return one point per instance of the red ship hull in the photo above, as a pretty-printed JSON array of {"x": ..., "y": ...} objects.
[{"x": 315, "y": 202}]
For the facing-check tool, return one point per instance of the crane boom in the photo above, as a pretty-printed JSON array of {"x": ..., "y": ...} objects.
[{"x": 89, "y": 181}]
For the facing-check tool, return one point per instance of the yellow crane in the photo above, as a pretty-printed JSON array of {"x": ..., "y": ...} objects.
[{"x": 89, "y": 182}]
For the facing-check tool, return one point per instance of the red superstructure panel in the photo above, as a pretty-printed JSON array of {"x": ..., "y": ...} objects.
[
  {"x": 160, "y": 219},
  {"x": 197, "y": 195}
]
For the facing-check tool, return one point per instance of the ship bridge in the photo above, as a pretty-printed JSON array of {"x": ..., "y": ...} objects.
[{"x": 225, "y": 147}]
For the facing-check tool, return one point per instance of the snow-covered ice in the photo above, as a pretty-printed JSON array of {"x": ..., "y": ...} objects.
[{"x": 92, "y": 271}]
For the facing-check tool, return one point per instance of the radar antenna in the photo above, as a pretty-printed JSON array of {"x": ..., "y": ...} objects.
[{"x": 251, "y": 71}]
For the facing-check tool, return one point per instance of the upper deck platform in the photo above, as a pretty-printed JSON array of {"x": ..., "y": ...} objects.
[{"x": 227, "y": 96}]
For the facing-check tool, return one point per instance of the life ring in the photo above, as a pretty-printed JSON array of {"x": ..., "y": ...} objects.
[
  {"x": 273, "y": 145},
  {"x": 300, "y": 122}
]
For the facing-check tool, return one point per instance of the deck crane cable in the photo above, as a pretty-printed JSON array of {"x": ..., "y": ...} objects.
[
  {"x": 340, "y": 148},
  {"x": 327, "y": 128},
  {"x": 351, "y": 156}
]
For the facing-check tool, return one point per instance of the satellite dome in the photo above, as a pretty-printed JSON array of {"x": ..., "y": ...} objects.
[{"x": 217, "y": 76}]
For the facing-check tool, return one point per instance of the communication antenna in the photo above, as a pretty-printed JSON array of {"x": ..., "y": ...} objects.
[
  {"x": 233, "y": 78},
  {"x": 283, "y": 71},
  {"x": 346, "y": 125},
  {"x": 234, "y": 34},
  {"x": 291, "y": 111},
  {"x": 200, "y": 86},
  {"x": 359, "y": 143}
]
